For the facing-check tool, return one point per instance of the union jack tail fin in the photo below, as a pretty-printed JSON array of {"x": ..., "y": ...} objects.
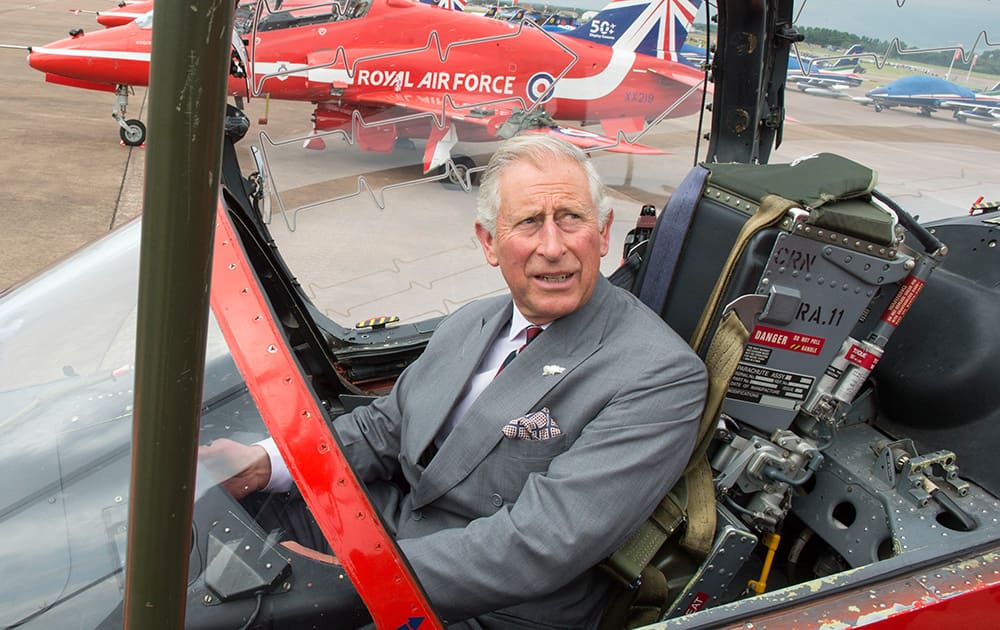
[
  {"x": 657, "y": 28},
  {"x": 457, "y": 5}
]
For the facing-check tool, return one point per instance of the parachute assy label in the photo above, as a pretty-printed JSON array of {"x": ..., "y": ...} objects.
[{"x": 765, "y": 386}]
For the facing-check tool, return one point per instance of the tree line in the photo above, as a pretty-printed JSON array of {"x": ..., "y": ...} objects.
[{"x": 987, "y": 61}]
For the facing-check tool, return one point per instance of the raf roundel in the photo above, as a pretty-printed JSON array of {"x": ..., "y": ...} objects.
[{"x": 540, "y": 87}]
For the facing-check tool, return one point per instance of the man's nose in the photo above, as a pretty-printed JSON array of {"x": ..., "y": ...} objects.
[{"x": 550, "y": 240}]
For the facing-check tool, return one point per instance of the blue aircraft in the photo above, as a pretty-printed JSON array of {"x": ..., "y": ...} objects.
[
  {"x": 820, "y": 77},
  {"x": 929, "y": 94}
]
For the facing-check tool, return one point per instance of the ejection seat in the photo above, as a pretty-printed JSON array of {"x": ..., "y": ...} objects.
[{"x": 728, "y": 235}]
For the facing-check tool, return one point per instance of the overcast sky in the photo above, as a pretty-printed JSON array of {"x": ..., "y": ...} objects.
[{"x": 917, "y": 22}]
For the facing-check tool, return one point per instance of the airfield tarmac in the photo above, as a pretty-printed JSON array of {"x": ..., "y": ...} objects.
[{"x": 66, "y": 181}]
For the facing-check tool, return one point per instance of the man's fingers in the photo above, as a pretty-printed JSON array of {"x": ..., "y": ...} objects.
[{"x": 310, "y": 553}]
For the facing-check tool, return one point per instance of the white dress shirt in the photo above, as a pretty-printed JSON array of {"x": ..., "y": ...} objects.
[{"x": 512, "y": 337}]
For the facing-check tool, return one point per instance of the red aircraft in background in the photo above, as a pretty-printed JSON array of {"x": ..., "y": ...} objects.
[
  {"x": 388, "y": 71},
  {"x": 123, "y": 13},
  {"x": 126, "y": 11}
]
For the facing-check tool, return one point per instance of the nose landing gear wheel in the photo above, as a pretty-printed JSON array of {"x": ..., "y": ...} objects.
[
  {"x": 133, "y": 133},
  {"x": 458, "y": 175}
]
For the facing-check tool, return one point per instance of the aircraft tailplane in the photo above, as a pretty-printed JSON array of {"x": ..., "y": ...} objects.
[
  {"x": 849, "y": 58},
  {"x": 657, "y": 28}
]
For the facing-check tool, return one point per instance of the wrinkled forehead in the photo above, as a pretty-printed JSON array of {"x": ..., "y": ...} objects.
[{"x": 558, "y": 183}]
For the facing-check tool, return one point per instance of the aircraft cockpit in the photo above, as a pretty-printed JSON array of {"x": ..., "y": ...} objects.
[
  {"x": 145, "y": 21},
  {"x": 336, "y": 11}
]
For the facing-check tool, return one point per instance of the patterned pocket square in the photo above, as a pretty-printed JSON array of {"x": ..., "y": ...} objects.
[{"x": 538, "y": 425}]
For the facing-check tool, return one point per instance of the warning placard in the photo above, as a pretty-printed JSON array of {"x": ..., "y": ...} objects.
[
  {"x": 787, "y": 340},
  {"x": 908, "y": 292},
  {"x": 756, "y": 354},
  {"x": 765, "y": 386},
  {"x": 861, "y": 357}
]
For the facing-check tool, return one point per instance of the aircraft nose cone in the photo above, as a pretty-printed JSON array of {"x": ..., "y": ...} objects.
[
  {"x": 94, "y": 61},
  {"x": 48, "y": 58},
  {"x": 66, "y": 60},
  {"x": 39, "y": 58}
]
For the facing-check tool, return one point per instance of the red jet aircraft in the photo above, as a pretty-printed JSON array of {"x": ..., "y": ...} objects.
[
  {"x": 387, "y": 71},
  {"x": 127, "y": 11},
  {"x": 124, "y": 13}
]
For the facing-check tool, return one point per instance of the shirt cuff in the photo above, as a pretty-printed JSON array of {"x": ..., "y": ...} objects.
[{"x": 281, "y": 478}]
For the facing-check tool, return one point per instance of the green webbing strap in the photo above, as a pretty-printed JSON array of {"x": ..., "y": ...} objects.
[
  {"x": 648, "y": 602},
  {"x": 699, "y": 534},
  {"x": 627, "y": 563},
  {"x": 723, "y": 356},
  {"x": 694, "y": 494},
  {"x": 772, "y": 209},
  {"x": 693, "y": 497},
  {"x": 638, "y": 607}
]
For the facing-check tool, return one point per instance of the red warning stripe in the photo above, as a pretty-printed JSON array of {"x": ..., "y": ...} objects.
[
  {"x": 786, "y": 340},
  {"x": 908, "y": 292}
]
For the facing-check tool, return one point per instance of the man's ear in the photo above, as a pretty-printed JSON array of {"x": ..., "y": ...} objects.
[
  {"x": 606, "y": 232},
  {"x": 486, "y": 240}
]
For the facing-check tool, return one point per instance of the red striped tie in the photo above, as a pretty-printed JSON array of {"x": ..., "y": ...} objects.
[{"x": 530, "y": 333}]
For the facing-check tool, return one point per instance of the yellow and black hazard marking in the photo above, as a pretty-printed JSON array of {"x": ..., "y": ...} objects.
[
  {"x": 983, "y": 207},
  {"x": 377, "y": 322}
]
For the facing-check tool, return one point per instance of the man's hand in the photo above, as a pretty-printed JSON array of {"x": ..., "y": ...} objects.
[
  {"x": 310, "y": 553},
  {"x": 241, "y": 469}
]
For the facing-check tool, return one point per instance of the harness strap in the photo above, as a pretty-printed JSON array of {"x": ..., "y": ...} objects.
[
  {"x": 692, "y": 501},
  {"x": 695, "y": 495},
  {"x": 627, "y": 563},
  {"x": 772, "y": 209},
  {"x": 668, "y": 238},
  {"x": 720, "y": 362}
]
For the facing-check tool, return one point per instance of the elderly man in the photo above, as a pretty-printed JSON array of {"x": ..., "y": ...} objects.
[{"x": 522, "y": 475}]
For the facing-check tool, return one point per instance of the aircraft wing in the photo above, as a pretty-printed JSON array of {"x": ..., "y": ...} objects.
[
  {"x": 492, "y": 121},
  {"x": 589, "y": 141},
  {"x": 978, "y": 108},
  {"x": 819, "y": 86},
  {"x": 822, "y": 81},
  {"x": 683, "y": 76},
  {"x": 974, "y": 111},
  {"x": 817, "y": 82}
]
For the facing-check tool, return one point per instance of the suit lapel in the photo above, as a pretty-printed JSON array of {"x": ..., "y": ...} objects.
[
  {"x": 515, "y": 392},
  {"x": 449, "y": 379}
]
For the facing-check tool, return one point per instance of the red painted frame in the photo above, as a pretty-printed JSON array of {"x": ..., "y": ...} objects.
[
  {"x": 298, "y": 425},
  {"x": 962, "y": 593}
]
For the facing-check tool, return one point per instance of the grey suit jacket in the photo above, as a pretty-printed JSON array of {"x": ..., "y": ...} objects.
[{"x": 514, "y": 527}]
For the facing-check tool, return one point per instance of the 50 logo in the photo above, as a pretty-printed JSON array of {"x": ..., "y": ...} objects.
[{"x": 602, "y": 29}]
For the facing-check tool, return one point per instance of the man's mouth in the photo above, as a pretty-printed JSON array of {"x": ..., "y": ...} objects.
[{"x": 554, "y": 277}]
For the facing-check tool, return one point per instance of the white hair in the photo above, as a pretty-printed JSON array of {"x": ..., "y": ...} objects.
[{"x": 540, "y": 150}]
